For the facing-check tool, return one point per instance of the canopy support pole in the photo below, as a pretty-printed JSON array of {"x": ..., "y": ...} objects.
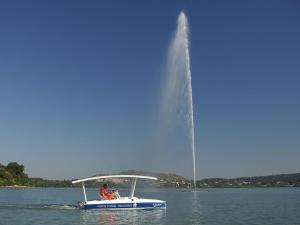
[
  {"x": 84, "y": 192},
  {"x": 133, "y": 187}
]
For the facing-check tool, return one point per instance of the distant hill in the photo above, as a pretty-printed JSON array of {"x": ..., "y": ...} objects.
[
  {"x": 174, "y": 180},
  {"x": 13, "y": 174},
  {"x": 164, "y": 179},
  {"x": 281, "y": 180}
]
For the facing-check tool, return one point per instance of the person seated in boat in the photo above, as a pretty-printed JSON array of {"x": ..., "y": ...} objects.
[{"x": 104, "y": 194}]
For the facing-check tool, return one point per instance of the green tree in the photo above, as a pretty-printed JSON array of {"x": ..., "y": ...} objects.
[
  {"x": 15, "y": 168},
  {"x": 13, "y": 174}
]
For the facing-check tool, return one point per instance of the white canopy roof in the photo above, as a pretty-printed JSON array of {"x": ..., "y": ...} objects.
[{"x": 113, "y": 176}]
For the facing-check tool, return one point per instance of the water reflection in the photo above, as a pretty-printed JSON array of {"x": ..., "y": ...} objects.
[
  {"x": 195, "y": 217},
  {"x": 116, "y": 217}
]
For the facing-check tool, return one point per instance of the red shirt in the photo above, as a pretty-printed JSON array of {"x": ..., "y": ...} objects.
[{"x": 102, "y": 191}]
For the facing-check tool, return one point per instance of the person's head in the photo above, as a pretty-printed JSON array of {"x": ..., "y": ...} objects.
[{"x": 105, "y": 186}]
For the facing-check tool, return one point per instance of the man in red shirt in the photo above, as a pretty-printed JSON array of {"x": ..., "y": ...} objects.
[{"x": 105, "y": 194}]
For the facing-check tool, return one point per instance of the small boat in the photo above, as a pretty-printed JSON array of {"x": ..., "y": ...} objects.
[{"x": 130, "y": 202}]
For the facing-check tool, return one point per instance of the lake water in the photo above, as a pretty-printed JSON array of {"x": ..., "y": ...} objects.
[{"x": 265, "y": 206}]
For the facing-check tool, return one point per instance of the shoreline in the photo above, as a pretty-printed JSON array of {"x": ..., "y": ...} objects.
[
  {"x": 182, "y": 188},
  {"x": 16, "y": 186}
]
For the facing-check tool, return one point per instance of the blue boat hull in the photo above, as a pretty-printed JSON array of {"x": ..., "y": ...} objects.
[{"x": 141, "y": 205}]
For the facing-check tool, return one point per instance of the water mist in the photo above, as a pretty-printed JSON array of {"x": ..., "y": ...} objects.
[{"x": 178, "y": 94}]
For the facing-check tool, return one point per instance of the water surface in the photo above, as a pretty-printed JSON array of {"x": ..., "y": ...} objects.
[{"x": 268, "y": 206}]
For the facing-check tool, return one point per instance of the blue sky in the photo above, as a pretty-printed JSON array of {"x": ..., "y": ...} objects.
[{"x": 80, "y": 84}]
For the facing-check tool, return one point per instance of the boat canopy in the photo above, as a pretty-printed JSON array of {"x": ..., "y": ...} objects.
[
  {"x": 133, "y": 184},
  {"x": 113, "y": 176}
]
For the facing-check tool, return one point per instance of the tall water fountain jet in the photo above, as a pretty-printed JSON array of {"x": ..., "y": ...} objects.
[{"x": 178, "y": 95}]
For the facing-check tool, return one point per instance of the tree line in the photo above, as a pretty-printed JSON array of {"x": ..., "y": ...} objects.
[{"x": 12, "y": 174}]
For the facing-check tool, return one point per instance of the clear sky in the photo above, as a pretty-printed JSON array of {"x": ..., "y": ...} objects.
[{"x": 79, "y": 84}]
